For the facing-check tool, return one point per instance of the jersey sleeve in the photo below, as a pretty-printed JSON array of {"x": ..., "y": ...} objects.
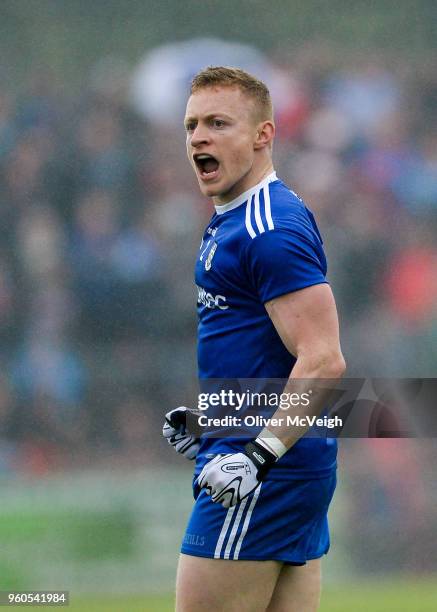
[{"x": 282, "y": 260}]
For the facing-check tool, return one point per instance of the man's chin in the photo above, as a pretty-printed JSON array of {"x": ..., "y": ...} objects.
[{"x": 210, "y": 190}]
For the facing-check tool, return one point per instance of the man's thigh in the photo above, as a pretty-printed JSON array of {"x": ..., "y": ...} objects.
[
  {"x": 282, "y": 522},
  {"x": 219, "y": 585},
  {"x": 297, "y": 588}
]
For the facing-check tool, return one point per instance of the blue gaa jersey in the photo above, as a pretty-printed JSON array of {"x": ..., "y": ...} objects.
[{"x": 261, "y": 245}]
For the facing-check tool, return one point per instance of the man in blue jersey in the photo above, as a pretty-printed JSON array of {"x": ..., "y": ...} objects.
[{"x": 259, "y": 524}]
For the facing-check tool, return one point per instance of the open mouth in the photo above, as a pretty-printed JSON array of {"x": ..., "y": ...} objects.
[{"x": 207, "y": 164}]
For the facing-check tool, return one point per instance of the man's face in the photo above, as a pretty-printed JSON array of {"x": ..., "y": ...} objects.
[{"x": 221, "y": 132}]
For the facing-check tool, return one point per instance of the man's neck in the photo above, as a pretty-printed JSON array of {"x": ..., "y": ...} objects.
[{"x": 251, "y": 179}]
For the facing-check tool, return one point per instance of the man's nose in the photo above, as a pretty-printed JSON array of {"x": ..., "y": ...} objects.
[{"x": 199, "y": 136}]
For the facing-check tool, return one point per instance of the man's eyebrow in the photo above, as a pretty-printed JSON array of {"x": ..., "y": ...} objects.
[{"x": 208, "y": 116}]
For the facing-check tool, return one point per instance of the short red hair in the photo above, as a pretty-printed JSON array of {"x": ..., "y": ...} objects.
[{"x": 227, "y": 76}]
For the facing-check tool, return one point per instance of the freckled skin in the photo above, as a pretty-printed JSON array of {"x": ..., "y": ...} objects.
[{"x": 220, "y": 121}]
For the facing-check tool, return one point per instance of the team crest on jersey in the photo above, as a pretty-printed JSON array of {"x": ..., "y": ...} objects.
[{"x": 210, "y": 256}]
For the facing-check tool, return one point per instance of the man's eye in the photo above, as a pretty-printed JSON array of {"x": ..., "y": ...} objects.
[
  {"x": 219, "y": 123},
  {"x": 190, "y": 127}
]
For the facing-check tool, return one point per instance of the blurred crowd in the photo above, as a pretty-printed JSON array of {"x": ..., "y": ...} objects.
[{"x": 101, "y": 219}]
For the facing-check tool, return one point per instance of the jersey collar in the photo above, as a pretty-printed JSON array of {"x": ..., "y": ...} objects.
[{"x": 244, "y": 197}]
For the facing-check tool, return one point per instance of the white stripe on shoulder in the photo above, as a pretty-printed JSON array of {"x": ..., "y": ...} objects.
[
  {"x": 248, "y": 221},
  {"x": 227, "y": 521},
  {"x": 258, "y": 220},
  {"x": 267, "y": 207},
  {"x": 246, "y": 522}
]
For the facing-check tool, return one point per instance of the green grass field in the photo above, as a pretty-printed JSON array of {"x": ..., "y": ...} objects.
[{"x": 403, "y": 596}]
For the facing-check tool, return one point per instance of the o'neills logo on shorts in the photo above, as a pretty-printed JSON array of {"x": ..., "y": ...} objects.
[{"x": 193, "y": 539}]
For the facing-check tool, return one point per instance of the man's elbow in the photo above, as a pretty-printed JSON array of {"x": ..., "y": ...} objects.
[
  {"x": 336, "y": 366},
  {"x": 325, "y": 364}
]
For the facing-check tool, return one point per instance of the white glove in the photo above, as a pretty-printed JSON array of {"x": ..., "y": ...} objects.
[
  {"x": 230, "y": 478},
  {"x": 177, "y": 434}
]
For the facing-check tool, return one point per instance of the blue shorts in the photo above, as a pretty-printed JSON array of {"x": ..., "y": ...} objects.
[{"x": 282, "y": 520}]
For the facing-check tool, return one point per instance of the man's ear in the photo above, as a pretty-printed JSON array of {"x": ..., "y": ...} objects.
[{"x": 265, "y": 132}]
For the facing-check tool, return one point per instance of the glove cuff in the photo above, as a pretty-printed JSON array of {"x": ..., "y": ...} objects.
[
  {"x": 271, "y": 443},
  {"x": 261, "y": 457}
]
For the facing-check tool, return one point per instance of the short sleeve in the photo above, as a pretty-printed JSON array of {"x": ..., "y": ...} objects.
[{"x": 281, "y": 261}]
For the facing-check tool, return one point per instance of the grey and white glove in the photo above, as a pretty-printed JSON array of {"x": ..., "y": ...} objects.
[
  {"x": 176, "y": 431},
  {"x": 232, "y": 477}
]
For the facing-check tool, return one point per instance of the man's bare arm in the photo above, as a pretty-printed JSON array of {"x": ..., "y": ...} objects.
[{"x": 307, "y": 323}]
